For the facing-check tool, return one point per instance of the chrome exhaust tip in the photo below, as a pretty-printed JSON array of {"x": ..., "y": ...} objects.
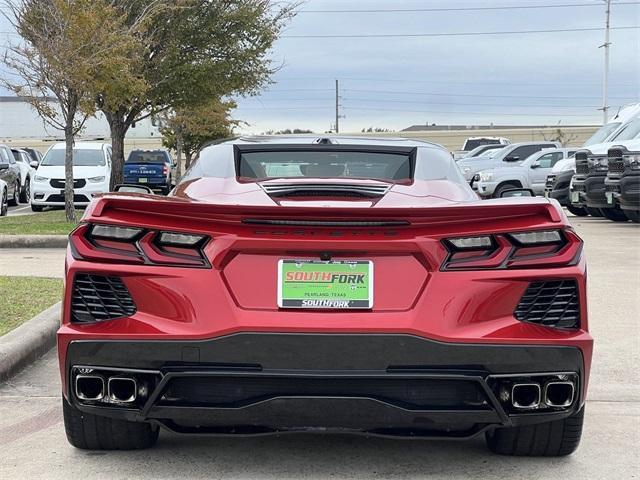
[
  {"x": 559, "y": 394},
  {"x": 89, "y": 387},
  {"x": 526, "y": 396},
  {"x": 122, "y": 389}
]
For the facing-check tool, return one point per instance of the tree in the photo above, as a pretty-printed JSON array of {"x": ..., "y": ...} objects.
[
  {"x": 187, "y": 130},
  {"x": 69, "y": 50},
  {"x": 194, "y": 51}
]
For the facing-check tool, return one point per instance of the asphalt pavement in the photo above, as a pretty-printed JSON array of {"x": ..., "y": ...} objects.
[
  {"x": 33, "y": 444},
  {"x": 22, "y": 209}
]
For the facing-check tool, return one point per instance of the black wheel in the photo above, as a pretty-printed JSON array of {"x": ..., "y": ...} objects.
[
  {"x": 614, "y": 214},
  {"x": 92, "y": 432},
  {"x": 4, "y": 207},
  {"x": 25, "y": 193},
  {"x": 15, "y": 201},
  {"x": 504, "y": 187},
  {"x": 594, "y": 212},
  {"x": 578, "y": 212},
  {"x": 36, "y": 208},
  {"x": 551, "y": 439},
  {"x": 632, "y": 215}
]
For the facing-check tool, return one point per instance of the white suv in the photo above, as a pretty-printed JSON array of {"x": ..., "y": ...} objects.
[{"x": 91, "y": 175}]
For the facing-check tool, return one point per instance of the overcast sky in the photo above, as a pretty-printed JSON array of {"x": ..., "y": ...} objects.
[{"x": 395, "y": 82}]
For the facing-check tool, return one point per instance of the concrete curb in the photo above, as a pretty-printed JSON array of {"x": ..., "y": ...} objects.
[
  {"x": 29, "y": 341},
  {"x": 33, "y": 241}
]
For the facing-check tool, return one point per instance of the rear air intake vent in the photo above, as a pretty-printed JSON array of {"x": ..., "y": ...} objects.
[
  {"x": 325, "y": 189},
  {"x": 98, "y": 297},
  {"x": 552, "y": 304}
]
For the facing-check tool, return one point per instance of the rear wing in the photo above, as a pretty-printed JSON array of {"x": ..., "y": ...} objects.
[{"x": 153, "y": 210}]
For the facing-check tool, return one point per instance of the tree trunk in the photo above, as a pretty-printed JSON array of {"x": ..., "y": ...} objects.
[
  {"x": 118, "y": 127},
  {"x": 179, "y": 142},
  {"x": 187, "y": 162},
  {"x": 69, "y": 207}
]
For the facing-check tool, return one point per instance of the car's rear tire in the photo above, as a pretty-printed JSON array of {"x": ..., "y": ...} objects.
[
  {"x": 594, "y": 212},
  {"x": 15, "y": 201},
  {"x": 93, "y": 432},
  {"x": 614, "y": 214},
  {"x": 36, "y": 208},
  {"x": 632, "y": 215},
  {"x": 577, "y": 211},
  {"x": 551, "y": 439}
]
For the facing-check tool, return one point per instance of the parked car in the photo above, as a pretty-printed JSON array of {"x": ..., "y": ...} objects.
[
  {"x": 153, "y": 168},
  {"x": 516, "y": 152},
  {"x": 35, "y": 156},
  {"x": 530, "y": 173},
  {"x": 482, "y": 150},
  {"x": 10, "y": 174},
  {"x": 622, "y": 184},
  {"x": 23, "y": 160},
  {"x": 399, "y": 304},
  {"x": 4, "y": 198},
  {"x": 473, "y": 142},
  {"x": 91, "y": 175}
]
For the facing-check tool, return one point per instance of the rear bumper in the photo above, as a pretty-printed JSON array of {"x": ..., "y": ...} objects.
[{"x": 376, "y": 384}]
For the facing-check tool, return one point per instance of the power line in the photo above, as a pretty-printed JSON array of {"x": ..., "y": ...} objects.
[
  {"x": 430, "y": 112},
  {"x": 461, "y": 34},
  {"x": 444, "y": 94},
  {"x": 464, "y": 9}
]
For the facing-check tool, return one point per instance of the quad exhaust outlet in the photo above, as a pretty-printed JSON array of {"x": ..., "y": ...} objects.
[
  {"x": 90, "y": 387},
  {"x": 122, "y": 389}
]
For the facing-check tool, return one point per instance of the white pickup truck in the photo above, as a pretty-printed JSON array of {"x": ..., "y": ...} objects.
[{"x": 530, "y": 173}]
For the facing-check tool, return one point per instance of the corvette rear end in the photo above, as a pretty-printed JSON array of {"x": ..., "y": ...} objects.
[{"x": 345, "y": 285}]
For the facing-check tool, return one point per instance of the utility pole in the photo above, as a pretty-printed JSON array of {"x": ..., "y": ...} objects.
[
  {"x": 337, "y": 107},
  {"x": 605, "y": 82}
]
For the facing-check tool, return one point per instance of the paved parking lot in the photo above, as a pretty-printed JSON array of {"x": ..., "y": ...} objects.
[{"x": 33, "y": 444}]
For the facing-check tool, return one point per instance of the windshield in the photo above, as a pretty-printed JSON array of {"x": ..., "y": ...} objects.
[
  {"x": 81, "y": 158},
  {"x": 629, "y": 131},
  {"x": 602, "y": 133},
  {"x": 154, "y": 156},
  {"x": 492, "y": 153},
  {"x": 334, "y": 164}
]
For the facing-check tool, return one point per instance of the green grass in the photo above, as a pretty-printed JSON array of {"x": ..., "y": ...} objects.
[
  {"x": 24, "y": 297},
  {"x": 46, "y": 223}
]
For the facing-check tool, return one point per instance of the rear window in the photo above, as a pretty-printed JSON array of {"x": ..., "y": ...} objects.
[
  {"x": 157, "y": 156},
  {"x": 323, "y": 164}
]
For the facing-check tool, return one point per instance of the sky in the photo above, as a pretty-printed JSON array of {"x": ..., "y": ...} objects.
[{"x": 397, "y": 81}]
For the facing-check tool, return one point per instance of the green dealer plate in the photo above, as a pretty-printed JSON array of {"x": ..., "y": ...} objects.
[{"x": 342, "y": 284}]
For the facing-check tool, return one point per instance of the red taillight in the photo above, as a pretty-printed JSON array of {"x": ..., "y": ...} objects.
[
  {"x": 165, "y": 169},
  {"x": 530, "y": 249},
  {"x": 125, "y": 244}
]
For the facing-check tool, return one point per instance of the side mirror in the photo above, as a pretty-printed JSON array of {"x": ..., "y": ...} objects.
[
  {"x": 512, "y": 159},
  {"x": 535, "y": 165},
  {"x": 4, "y": 166},
  {"x": 33, "y": 164},
  {"x": 132, "y": 189},
  {"x": 517, "y": 192}
]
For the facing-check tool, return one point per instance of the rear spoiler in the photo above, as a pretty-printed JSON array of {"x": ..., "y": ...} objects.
[{"x": 127, "y": 207}]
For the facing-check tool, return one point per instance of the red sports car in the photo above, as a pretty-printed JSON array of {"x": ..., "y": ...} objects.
[{"x": 352, "y": 285}]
